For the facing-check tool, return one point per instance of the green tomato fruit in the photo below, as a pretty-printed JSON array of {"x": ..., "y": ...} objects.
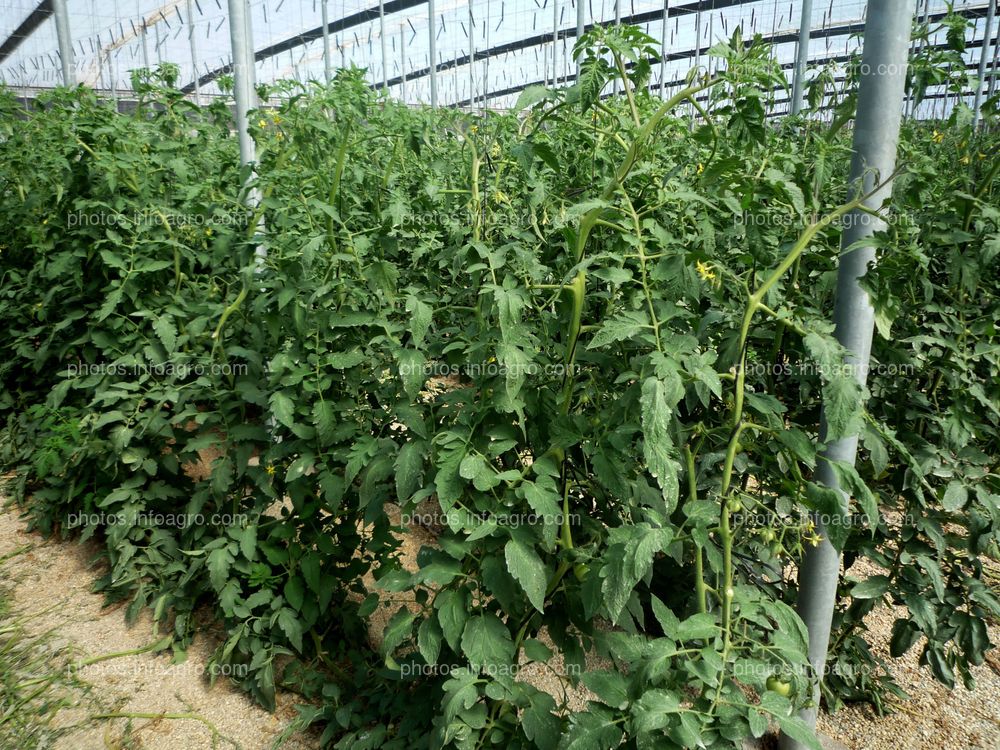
[
  {"x": 767, "y": 535},
  {"x": 779, "y": 686},
  {"x": 580, "y": 570}
]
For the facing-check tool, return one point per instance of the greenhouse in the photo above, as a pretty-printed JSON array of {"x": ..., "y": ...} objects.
[{"x": 499, "y": 374}]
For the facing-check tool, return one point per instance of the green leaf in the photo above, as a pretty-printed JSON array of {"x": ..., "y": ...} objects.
[
  {"x": 452, "y": 616},
  {"x": 871, "y": 588},
  {"x": 283, "y": 408},
  {"x": 653, "y": 710},
  {"x": 397, "y": 630},
  {"x": 610, "y": 687},
  {"x": 528, "y": 570},
  {"x": 486, "y": 642},
  {"x": 290, "y": 625},
  {"x": 164, "y": 327},
  {"x": 325, "y": 422},
  {"x": 429, "y": 637},
  {"x": 628, "y": 561},
  {"x": 409, "y": 467},
  {"x": 621, "y": 327},
  {"x": 412, "y": 371},
  {"x": 956, "y": 495},
  {"x": 295, "y": 592},
  {"x": 659, "y": 397},
  {"x": 218, "y": 561}
]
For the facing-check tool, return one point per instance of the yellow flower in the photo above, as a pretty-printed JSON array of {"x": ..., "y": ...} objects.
[
  {"x": 701, "y": 168},
  {"x": 964, "y": 159},
  {"x": 937, "y": 137},
  {"x": 280, "y": 136},
  {"x": 262, "y": 124},
  {"x": 501, "y": 197},
  {"x": 814, "y": 540},
  {"x": 495, "y": 151},
  {"x": 982, "y": 156},
  {"x": 270, "y": 470},
  {"x": 208, "y": 231},
  {"x": 474, "y": 129},
  {"x": 276, "y": 120},
  {"x": 705, "y": 271}
]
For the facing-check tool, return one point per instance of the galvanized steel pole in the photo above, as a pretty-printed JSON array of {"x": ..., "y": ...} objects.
[
  {"x": 381, "y": 36},
  {"x": 194, "y": 52},
  {"x": 983, "y": 57},
  {"x": 327, "y": 66},
  {"x": 245, "y": 94},
  {"x": 432, "y": 42},
  {"x": 579, "y": 29},
  {"x": 65, "y": 38},
  {"x": 801, "y": 56},
  {"x": 663, "y": 50},
  {"x": 876, "y": 133}
]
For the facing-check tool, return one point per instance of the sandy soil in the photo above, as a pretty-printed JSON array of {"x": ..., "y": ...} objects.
[{"x": 50, "y": 585}]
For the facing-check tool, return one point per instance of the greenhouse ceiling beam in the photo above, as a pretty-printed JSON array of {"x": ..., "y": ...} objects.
[
  {"x": 788, "y": 37},
  {"x": 35, "y": 19},
  {"x": 397, "y": 6}
]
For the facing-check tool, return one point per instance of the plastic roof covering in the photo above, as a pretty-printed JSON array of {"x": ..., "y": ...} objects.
[{"x": 108, "y": 39}]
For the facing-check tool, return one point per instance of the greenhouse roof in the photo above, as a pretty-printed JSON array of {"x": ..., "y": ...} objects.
[{"x": 513, "y": 44}]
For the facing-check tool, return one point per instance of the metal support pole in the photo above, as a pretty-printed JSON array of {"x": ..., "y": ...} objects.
[
  {"x": 618, "y": 22},
  {"x": 579, "y": 29},
  {"x": 663, "y": 50},
  {"x": 801, "y": 56},
  {"x": 381, "y": 36},
  {"x": 244, "y": 93},
  {"x": 555, "y": 42},
  {"x": 993, "y": 72},
  {"x": 145, "y": 47},
  {"x": 66, "y": 56},
  {"x": 472, "y": 61},
  {"x": 876, "y": 133},
  {"x": 194, "y": 51},
  {"x": 432, "y": 42},
  {"x": 983, "y": 58},
  {"x": 327, "y": 65},
  {"x": 159, "y": 52},
  {"x": 402, "y": 63}
]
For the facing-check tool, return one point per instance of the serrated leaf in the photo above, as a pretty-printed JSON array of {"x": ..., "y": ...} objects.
[
  {"x": 528, "y": 570},
  {"x": 486, "y": 642}
]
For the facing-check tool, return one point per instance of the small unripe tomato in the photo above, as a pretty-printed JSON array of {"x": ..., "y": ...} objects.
[
  {"x": 779, "y": 686},
  {"x": 580, "y": 570},
  {"x": 734, "y": 505},
  {"x": 767, "y": 535}
]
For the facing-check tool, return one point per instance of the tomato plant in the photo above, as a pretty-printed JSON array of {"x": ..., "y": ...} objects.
[{"x": 590, "y": 334}]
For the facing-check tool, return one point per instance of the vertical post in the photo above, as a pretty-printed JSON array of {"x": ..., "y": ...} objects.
[
  {"x": 555, "y": 42},
  {"x": 993, "y": 72},
  {"x": 112, "y": 80},
  {"x": 983, "y": 57},
  {"x": 243, "y": 89},
  {"x": 432, "y": 48},
  {"x": 579, "y": 29},
  {"x": 801, "y": 56},
  {"x": 663, "y": 50},
  {"x": 327, "y": 66},
  {"x": 381, "y": 36},
  {"x": 145, "y": 46},
  {"x": 159, "y": 52},
  {"x": 194, "y": 51},
  {"x": 618, "y": 21},
  {"x": 876, "y": 133},
  {"x": 66, "y": 56},
  {"x": 472, "y": 61},
  {"x": 402, "y": 62}
]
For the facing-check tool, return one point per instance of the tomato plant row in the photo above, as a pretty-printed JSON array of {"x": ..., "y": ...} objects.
[{"x": 633, "y": 313}]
